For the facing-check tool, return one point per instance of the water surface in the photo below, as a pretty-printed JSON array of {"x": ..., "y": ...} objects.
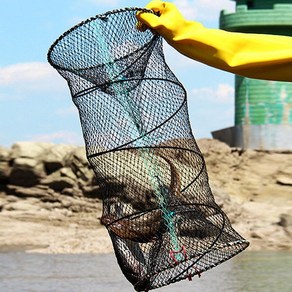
[{"x": 248, "y": 272}]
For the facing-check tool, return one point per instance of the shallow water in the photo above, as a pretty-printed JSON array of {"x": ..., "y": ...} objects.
[{"x": 248, "y": 272}]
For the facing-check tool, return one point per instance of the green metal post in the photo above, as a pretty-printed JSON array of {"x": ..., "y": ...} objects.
[{"x": 264, "y": 107}]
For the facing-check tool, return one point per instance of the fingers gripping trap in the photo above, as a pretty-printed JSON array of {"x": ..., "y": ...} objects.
[{"x": 158, "y": 207}]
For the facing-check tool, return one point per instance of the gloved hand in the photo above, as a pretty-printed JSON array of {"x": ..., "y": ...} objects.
[
  {"x": 167, "y": 20},
  {"x": 259, "y": 56}
]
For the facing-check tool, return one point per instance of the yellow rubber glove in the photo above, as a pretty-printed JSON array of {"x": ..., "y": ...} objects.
[{"x": 259, "y": 56}]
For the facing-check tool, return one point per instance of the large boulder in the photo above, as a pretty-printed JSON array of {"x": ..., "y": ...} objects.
[
  {"x": 4, "y": 164},
  {"x": 35, "y": 150},
  {"x": 27, "y": 167},
  {"x": 40, "y": 192},
  {"x": 60, "y": 179},
  {"x": 26, "y": 172},
  {"x": 4, "y": 154},
  {"x": 55, "y": 157},
  {"x": 77, "y": 161}
]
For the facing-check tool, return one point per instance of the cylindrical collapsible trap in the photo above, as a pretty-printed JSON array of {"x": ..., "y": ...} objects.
[{"x": 158, "y": 207}]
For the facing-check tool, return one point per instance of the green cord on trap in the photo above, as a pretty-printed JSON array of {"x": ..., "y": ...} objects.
[{"x": 147, "y": 154}]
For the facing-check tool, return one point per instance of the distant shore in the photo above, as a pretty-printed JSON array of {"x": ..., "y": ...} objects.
[{"x": 50, "y": 201}]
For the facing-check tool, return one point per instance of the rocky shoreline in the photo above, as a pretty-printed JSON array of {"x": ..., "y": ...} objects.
[{"x": 50, "y": 200}]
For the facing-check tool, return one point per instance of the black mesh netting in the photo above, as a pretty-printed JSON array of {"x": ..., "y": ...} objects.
[{"x": 158, "y": 207}]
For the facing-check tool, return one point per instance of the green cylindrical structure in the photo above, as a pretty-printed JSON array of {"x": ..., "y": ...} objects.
[{"x": 265, "y": 107}]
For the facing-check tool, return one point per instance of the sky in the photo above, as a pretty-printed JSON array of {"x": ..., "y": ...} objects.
[{"x": 35, "y": 102}]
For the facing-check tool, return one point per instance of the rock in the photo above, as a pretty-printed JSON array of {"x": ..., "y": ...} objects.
[
  {"x": 54, "y": 185},
  {"x": 66, "y": 203},
  {"x": 11, "y": 198},
  {"x": 256, "y": 234},
  {"x": 59, "y": 184},
  {"x": 77, "y": 157},
  {"x": 286, "y": 170},
  {"x": 67, "y": 172},
  {"x": 93, "y": 191},
  {"x": 40, "y": 192},
  {"x": 57, "y": 181},
  {"x": 77, "y": 161},
  {"x": 4, "y": 164},
  {"x": 30, "y": 150},
  {"x": 26, "y": 172},
  {"x": 209, "y": 146},
  {"x": 22, "y": 205},
  {"x": 55, "y": 157},
  {"x": 284, "y": 180},
  {"x": 286, "y": 220},
  {"x": 2, "y": 204},
  {"x": 4, "y": 154},
  {"x": 86, "y": 175},
  {"x": 5, "y": 171},
  {"x": 72, "y": 192}
]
